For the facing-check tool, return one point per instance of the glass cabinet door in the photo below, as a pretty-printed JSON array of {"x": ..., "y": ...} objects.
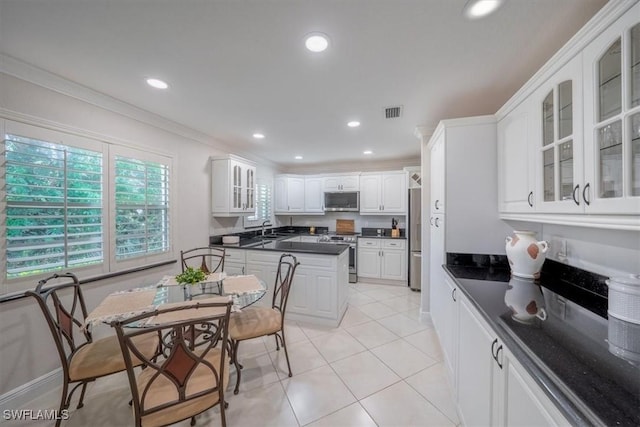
[
  {"x": 250, "y": 191},
  {"x": 558, "y": 180},
  {"x": 237, "y": 186}
]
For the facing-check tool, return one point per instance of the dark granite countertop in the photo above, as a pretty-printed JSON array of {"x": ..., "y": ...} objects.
[
  {"x": 568, "y": 353},
  {"x": 385, "y": 233},
  {"x": 282, "y": 246}
]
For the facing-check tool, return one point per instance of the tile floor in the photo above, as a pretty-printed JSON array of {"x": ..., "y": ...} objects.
[{"x": 381, "y": 367}]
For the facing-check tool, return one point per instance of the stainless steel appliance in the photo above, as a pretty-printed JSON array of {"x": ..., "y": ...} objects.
[
  {"x": 415, "y": 239},
  {"x": 342, "y": 201},
  {"x": 345, "y": 239}
]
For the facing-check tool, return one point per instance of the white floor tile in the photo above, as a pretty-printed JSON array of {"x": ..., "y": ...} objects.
[
  {"x": 264, "y": 406},
  {"x": 312, "y": 331},
  {"x": 257, "y": 371},
  {"x": 317, "y": 393},
  {"x": 402, "y": 325},
  {"x": 372, "y": 334},
  {"x": 364, "y": 374},
  {"x": 353, "y": 316},
  {"x": 427, "y": 342},
  {"x": 337, "y": 345},
  {"x": 401, "y": 405},
  {"x": 402, "y": 303},
  {"x": 379, "y": 294},
  {"x": 303, "y": 357},
  {"x": 293, "y": 334},
  {"x": 360, "y": 299},
  {"x": 352, "y": 415},
  {"x": 377, "y": 310},
  {"x": 433, "y": 385},
  {"x": 403, "y": 358},
  {"x": 252, "y": 347}
]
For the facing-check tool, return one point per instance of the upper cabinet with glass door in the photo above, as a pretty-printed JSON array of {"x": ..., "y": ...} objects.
[
  {"x": 233, "y": 186},
  {"x": 559, "y": 141},
  {"x": 612, "y": 119}
]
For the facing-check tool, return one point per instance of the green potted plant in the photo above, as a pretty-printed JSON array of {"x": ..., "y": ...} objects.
[{"x": 190, "y": 276}]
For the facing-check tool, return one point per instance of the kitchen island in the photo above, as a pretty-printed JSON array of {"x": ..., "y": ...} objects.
[{"x": 320, "y": 286}]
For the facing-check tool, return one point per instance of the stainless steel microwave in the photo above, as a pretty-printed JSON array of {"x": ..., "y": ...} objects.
[{"x": 342, "y": 201}]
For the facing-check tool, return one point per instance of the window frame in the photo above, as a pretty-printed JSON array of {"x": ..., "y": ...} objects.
[
  {"x": 249, "y": 223},
  {"x": 108, "y": 150}
]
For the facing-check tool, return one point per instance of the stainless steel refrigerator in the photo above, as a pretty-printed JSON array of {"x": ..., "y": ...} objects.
[{"x": 414, "y": 230}]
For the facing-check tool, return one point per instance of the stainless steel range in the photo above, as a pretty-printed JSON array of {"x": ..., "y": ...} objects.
[{"x": 346, "y": 239}]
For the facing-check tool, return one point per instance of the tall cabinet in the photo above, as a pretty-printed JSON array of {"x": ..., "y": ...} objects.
[{"x": 463, "y": 208}]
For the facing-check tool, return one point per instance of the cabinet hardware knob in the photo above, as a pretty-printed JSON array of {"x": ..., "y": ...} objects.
[
  {"x": 530, "y": 199},
  {"x": 585, "y": 193},
  {"x": 453, "y": 294},
  {"x": 493, "y": 345},
  {"x": 436, "y": 204},
  {"x": 437, "y": 222},
  {"x": 576, "y": 189}
]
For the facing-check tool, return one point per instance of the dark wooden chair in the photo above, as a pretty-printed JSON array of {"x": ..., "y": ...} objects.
[
  {"x": 255, "y": 322},
  {"x": 83, "y": 359},
  {"x": 209, "y": 260},
  {"x": 190, "y": 376}
]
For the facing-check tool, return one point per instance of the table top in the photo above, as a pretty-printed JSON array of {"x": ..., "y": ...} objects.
[{"x": 244, "y": 290}]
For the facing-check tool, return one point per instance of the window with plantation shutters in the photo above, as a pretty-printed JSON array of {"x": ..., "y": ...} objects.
[
  {"x": 53, "y": 206},
  {"x": 263, "y": 206},
  {"x": 142, "y": 224}
]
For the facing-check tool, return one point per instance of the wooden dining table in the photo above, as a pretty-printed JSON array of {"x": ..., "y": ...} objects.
[{"x": 243, "y": 290}]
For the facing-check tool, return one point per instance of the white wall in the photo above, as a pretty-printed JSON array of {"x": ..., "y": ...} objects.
[{"x": 26, "y": 349}]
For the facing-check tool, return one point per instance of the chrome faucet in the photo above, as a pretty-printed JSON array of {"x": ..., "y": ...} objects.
[{"x": 265, "y": 223}]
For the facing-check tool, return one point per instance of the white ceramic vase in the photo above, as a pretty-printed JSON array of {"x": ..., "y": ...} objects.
[
  {"x": 525, "y": 300},
  {"x": 526, "y": 255}
]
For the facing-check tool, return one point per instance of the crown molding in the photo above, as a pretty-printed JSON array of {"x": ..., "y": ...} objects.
[{"x": 606, "y": 16}]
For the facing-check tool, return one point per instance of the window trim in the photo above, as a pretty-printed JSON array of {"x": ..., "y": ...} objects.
[{"x": 37, "y": 129}]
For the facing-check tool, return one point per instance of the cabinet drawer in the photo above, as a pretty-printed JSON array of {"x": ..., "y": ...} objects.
[
  {"x": 394, "y": 244},
  {"x": 234, "y": 255},
  {"x": 369, "y": 243}
]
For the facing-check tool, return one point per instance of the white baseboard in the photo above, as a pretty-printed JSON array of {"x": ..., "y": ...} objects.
[{"x": 22, "y": 395}]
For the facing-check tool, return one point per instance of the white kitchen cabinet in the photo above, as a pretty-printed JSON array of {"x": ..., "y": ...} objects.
[
  {"x": 350, "y": 182},
  {"x": 289, "y": 194},
  {"x": 314, "y": 194},
  {"x": 515, "y": 153},
  {"x": 383, "y": 193},
  {"x": 558, "y": 139},
  {"x": 438, "y": 173},
  {"x": 384, "y": 259},
  {"x": 464, "y": 182},
  {"x": 584, "y": 152},
  {"x": 474, "y": 367},
  {"x": 612, "y": 118},
  {"x": 234, "y": 262},
  {"x": 491, "y": 386},
  {"x": 233, "y": 186},
  {"x": 319, "y": 288}
]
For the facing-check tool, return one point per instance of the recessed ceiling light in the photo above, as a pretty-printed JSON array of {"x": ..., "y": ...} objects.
[
  {"x": 298, "y": 157},
  {"x": 353, "y": 124},
  {"x": 316, "y": 42},
  {"x": 475, "y": 9},
  {"x": 258, "y": 136},
  {"x": 157, "y": 83},
  {"x": 367, "y": 152}
]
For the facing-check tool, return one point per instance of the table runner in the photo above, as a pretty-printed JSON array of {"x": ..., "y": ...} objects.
[
  {"x": 122, "y": 304},
  {"x": 241, "y": 285},
  {"x": 188, "y": 314}
]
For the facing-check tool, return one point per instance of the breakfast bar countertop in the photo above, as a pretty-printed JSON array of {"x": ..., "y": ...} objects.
[{"x": 568, "y": 353}]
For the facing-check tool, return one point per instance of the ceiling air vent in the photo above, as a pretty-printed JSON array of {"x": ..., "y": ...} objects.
[{"x": 392, "y": 112}]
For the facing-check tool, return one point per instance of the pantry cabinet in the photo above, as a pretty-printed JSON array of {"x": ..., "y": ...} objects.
[
  {"x": 383, "y": 193},
  {"x": 382, "y": 259},
  {"x": 233, "y": 186}
]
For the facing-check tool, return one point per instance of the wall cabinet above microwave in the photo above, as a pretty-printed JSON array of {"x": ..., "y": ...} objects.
[
  {"x": 383, "y": 193},
  {"x": 349, "y": 182}
]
